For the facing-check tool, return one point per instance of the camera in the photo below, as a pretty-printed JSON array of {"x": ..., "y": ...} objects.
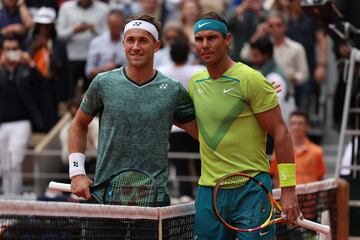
[{"x": 14, "y": 55}]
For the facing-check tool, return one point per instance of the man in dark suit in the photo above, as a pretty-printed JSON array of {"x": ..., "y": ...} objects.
[{"x": 18, "y": 110}]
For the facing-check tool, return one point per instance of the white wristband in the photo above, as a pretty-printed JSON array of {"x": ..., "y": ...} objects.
[{"x": 76, "y": 164}]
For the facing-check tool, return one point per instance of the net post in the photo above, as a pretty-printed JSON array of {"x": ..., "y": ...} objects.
[
  {"x": 160, "y": 223},
  {"x": 342, "y": 208}
]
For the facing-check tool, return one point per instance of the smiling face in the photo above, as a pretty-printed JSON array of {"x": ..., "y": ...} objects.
[
  {"x": 140, "y": 47},
  {"x": 211, "y": 46}
]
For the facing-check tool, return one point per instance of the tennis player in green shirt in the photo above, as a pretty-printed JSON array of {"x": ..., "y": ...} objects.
[
  {"x": 235, "y": 108},
  {"x": 137, "y": 106}
]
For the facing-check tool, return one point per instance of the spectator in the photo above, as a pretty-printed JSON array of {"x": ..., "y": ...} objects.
[
  {"x": 170, "y": 10},
  {"x": 180, "y": 141},
  {"x": 261, "y": 55},
  {"x": 309, "y": 157},
  {"x": 49, "y": 55},
  {"x": 15, "y": 18},
  {"x": 308, "y": 33},
  {"x": 78, "y": 23},
  {"x": 210, "y": 5},
  {"x": 290, "y": 55},
  {"x": 106, "y": 51},
  {"x": 35, "y": 5},
  {"x": 18, "y": 108},
  {"x": 190, "y": 10},
  {"x": 243, "y": 21},
  {"x": 125, "y": 6},
  {"x": 180, "y": 70},
  {"x": 151, "y": 7},
  {"x": 171, "y": 32}
]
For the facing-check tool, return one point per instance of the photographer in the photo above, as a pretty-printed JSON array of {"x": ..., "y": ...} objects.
[
  {"x": 15, "y": 18},
  {"x": 18, "y": 109}
]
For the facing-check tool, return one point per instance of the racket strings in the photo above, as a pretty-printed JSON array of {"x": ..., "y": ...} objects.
[
  {"x": 255, "y": 205},
  {"x": 252, "y": 205},
  {"x": 132, "y": 189}
]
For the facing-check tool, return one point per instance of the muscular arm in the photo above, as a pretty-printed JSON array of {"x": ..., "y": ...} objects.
[
  {"x": 78, "y": 132},
  {"x": 273, "y": 123},
  {"x": 77, "y": 144}
]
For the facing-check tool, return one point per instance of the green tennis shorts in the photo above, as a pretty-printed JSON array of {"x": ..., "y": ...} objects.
[{"x": 235, "y": 205}]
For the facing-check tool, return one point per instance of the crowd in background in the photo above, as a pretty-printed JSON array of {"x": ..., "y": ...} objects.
[{"x": 68, "y": 42}]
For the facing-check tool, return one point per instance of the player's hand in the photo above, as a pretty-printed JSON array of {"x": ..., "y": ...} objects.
[
  {"x": 276, "y": 86},
  {"x": 80, "y": 186},
  {"x": 289, "y": 203}
]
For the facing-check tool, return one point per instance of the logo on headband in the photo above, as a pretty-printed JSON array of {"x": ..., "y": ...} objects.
[
  {"x": 203, "y": 24},
  {"x": 136, "y": 24}
]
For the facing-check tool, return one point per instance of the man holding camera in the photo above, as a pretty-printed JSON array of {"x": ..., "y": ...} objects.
[{"x": 18, "y": 109}]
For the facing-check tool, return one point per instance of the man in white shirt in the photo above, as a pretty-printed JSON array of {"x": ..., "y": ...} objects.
[
  {"x": 78, "y": 23},
  {"x": 106, "y": 51},
  {"x": 290, "y": 55}
]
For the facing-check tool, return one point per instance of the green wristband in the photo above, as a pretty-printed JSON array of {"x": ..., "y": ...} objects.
[{"x": 287, "y": 174}]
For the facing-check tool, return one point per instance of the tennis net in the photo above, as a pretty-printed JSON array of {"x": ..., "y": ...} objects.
[
  {"x": 58, "y": 220},
  {"x": 324, "y": 202}
]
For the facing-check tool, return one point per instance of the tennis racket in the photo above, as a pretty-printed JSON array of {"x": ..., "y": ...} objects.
[
  {"x": 265, "y": 206},
  {"x": 131, "y": 187}
]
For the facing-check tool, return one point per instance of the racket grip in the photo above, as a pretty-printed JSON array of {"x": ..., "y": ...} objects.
[
  {"x": 63, "y": 187},
  {"x": 324, "y": 229}
]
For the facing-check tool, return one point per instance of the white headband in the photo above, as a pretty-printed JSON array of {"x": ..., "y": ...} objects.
[{"x": 150, "y": 28}]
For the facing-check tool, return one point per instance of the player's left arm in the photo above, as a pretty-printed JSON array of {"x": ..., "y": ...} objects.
[{"x": 273, "y": 123}]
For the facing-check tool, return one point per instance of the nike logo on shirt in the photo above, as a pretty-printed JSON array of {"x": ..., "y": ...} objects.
[{"x": 228, "y": 90}]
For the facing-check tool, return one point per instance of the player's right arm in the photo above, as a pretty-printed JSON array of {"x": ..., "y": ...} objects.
[{"x": 80, "y": 183}]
